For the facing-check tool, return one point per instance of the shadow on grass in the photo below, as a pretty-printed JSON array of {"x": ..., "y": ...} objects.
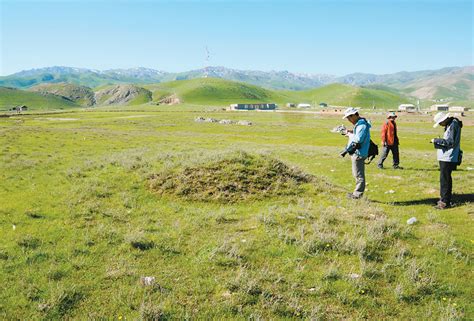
[
  {"x": 457, "y": 199},
  {"x": 433, "y": 169}
]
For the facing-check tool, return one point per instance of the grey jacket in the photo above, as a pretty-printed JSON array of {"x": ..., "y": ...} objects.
[{"x": 448, "y": 147}]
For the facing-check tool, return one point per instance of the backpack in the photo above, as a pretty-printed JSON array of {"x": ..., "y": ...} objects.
[{"x": 373, "y": 151}]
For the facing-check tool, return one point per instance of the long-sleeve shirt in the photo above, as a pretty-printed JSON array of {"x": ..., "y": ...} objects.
[
  {"x": 361, "y": 135},
  {"x": 448, "y": 147},
  {"x": 389, "y": 133}
]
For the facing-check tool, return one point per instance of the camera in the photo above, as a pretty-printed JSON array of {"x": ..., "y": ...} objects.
[{"x": 351, "y": 149}]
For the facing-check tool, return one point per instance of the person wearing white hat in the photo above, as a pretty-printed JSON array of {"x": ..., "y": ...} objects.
[
  {"x": 358, "y": 147},
  {"x": 449, "y": 155},
  {"x": 390, "y": 141}
]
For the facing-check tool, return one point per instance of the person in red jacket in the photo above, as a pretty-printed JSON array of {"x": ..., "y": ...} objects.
[{"x": 390, "y": 141}]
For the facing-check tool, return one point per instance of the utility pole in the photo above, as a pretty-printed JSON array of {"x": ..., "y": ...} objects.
[{"x": 206, "y": 67}]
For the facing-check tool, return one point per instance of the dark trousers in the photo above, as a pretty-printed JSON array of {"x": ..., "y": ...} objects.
[
  {"x": 446, "y": 181},
  {"x": 386, "y": 150}
]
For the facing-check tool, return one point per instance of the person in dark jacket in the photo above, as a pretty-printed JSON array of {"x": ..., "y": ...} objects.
[
  {"x": 390, "y": 141},
  {"x": 448, "y": 153}
]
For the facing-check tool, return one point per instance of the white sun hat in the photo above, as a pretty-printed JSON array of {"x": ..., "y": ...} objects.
[
  {"x": 439, "y": 118},
  {"x": 350, "y": 111},
  {"x": 391, "y": 114}
]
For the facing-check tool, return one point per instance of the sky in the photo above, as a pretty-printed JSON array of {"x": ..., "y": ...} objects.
[{"x": 329, "y": 37}]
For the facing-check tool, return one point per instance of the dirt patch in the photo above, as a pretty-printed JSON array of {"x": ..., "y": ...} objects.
[{"x": 238, "y": 177}]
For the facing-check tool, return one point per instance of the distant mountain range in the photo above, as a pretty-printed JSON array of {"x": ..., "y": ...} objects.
[{"x": 452, "y": 83}]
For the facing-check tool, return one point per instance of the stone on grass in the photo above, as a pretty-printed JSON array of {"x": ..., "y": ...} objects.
[
  {"x": 412, "y": 220},
  {"x": 147, "y": 280},
  {"x": 200, "y": 119}
]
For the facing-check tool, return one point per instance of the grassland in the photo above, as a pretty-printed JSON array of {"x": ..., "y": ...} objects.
[{"x": 81, "y": 225}]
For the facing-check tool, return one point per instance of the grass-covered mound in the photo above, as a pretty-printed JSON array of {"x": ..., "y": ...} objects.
[{"x": 238, "y": 177}]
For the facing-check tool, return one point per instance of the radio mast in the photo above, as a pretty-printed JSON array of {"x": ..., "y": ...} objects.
[{"x": 206, "y": 67}]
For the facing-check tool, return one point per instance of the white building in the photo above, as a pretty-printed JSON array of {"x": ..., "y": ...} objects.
[
  {"x": 458, "y": 108},
  {"x": 304, "y": 106},
  {"x": 409, "y": 108},
  {"x": 439, "y": 107}
]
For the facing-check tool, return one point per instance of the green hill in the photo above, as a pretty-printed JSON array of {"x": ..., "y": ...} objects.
[
  {"x": 214, "y": 91},
  {"x": 10, "y": 97},
  {"x": 82, "y": 95},
  {"x": 200, "y": 91},
  {"x": 346, "y": 95}
]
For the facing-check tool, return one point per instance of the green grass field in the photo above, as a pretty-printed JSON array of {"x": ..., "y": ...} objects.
[{"x": 81, "y": 223}]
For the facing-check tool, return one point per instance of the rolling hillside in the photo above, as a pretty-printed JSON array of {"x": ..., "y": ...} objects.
[
  {"x": 79, "y": 94},
  {"x": 10, "y": 97},
  {"x": 455, "y": 85},
  {"x": 215, "y": 91},
  {"x": 201, "y": 91},
  {"x": 346, "y": 95}
]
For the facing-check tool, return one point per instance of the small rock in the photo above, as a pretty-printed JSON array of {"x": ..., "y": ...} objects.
[
  {"x": 43, "y": 307},
  {"x": 470, "y": 168},
  {"x": 354, "y": 276},
  {"x": 14, "y": 227},
  {"x": 199, "y": 119},
  {"x": 312, "y": 289},
  {"x": 226, "y": 122},
  {"x": 147, "y": 280},
  {"x": 244, "y": 123},
  {"x": 412, "y": 220},
  {"x": 226, "y": 294},
  {"x": 210, "y": 120},
  {"x": 390, "y": 191},
  {"x": 300, "y": 217}
]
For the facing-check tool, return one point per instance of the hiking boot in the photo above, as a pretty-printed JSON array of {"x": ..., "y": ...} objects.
[
  {"x": 397, "y": 167},
  {"x": 353, "y": 197},
  {"x": 441, "y": 205},
  {"x": 380, "y": 166}
]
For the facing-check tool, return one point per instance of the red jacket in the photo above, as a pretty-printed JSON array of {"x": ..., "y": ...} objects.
[{"x": 389, "y": 133}]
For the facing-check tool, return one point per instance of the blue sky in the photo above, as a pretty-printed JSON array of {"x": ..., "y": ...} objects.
[{"x": 333, "y": 37}]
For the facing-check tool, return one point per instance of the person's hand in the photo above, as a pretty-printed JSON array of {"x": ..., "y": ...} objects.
[
  {"x": 432, "y": 141},
  {"x": 384, "y": 144},
  {"x": 349, "y": 131}
]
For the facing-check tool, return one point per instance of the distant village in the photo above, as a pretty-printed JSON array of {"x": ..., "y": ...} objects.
[{"x": 324, "y": 107}]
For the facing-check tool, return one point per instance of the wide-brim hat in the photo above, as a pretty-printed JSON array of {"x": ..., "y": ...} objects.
[
  {"x": 391, "y": 114},
  {"x": 439, "y": 118},
  {"x": 350, "y": 111}
]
